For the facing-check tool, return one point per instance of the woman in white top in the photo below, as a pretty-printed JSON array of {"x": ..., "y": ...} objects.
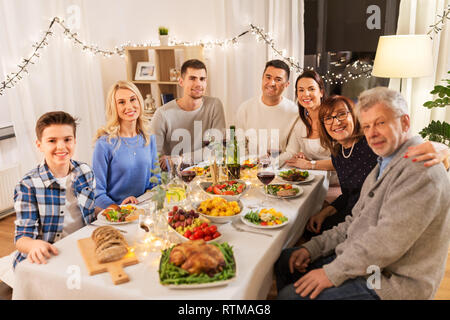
[{"x": 304, "y": 149}]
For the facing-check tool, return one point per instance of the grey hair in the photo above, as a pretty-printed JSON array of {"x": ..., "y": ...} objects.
[{"x": 389, "y": 98}]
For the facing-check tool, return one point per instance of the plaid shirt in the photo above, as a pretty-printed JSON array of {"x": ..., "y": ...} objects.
[{"x": 39, "y": 202}]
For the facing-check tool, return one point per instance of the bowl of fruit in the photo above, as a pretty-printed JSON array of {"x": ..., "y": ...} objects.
[
  {"x": 219, "y": 210},
  {"x": 189, "y": 225},
  {"x": 230, "y": 190}
]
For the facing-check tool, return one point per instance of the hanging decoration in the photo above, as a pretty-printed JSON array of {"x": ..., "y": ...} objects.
[{"x": 359, "y": 69}]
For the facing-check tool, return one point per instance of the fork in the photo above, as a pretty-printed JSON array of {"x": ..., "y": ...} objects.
[{"x": 233, "y": 224}]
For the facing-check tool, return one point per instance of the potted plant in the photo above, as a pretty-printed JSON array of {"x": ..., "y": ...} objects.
[
  {"x": 438, "y": 131},
  {"x": 163, "y": 36}
]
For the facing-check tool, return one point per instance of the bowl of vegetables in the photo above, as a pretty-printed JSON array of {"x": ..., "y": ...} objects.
[
  {"x": 219, "y": 210},
  {"x": 230, "y": 190}
]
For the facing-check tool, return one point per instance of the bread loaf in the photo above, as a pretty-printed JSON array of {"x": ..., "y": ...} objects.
[{"x": 110, "y": 244}]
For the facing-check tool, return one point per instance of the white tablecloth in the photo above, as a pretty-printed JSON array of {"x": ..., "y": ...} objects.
[{"x": 66, "y": 277}]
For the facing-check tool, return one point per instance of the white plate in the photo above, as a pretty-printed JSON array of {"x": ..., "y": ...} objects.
[
  {"x": 250, "y": 224},
  {"x": 220, "y": 219},
  {"x": 309, "y": 179},
  {"x": 299, "y": 193},
  {"x": 101, "y": 218}
]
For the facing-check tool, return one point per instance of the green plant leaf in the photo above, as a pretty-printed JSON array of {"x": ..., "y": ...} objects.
[{"x": 437, "y": 131}]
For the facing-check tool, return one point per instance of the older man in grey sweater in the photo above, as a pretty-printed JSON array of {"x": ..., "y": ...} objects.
[{"x": 395, "y": 243}]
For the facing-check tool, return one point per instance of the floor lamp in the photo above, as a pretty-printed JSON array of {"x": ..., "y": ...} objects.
[{"x": 403, "y": 56}]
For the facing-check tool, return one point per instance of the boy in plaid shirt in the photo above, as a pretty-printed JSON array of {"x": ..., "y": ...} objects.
[{"x": 56, "y": 198}]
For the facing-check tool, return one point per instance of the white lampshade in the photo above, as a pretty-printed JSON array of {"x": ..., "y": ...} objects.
[{"x": 403, "y": 56}]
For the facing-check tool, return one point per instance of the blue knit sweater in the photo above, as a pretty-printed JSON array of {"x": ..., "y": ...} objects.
[{"x": 122, "y": 168}]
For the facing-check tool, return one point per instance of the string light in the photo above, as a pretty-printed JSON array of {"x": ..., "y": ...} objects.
[{"x": 362, "y": 69}]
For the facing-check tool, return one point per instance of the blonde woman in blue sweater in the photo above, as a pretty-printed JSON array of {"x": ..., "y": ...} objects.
[{"x": 125, "y": 152}]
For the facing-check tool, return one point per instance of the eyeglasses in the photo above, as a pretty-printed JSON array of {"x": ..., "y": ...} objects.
[{"x": 340, "y": 117}]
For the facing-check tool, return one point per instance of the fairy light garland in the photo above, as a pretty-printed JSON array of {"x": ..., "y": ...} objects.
[{"x": 361, "y": 69}]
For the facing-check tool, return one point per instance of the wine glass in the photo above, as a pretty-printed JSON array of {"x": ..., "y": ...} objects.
[
  {"x": 265, "y": 174},
  {"x": 187, "y": 176}
]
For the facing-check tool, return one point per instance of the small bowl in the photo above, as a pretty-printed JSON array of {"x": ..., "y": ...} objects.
[
  {"x": 220, "y": 219},
  {"x": 205, "y": 184}
]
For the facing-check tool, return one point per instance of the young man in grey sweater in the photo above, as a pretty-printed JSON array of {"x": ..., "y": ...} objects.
[
  {"x": 180, "y": 124},
  {"x": 395, "y": 243}
]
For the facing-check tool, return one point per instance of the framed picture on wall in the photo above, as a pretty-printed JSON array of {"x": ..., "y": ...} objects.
[{"x": 145, "y": 71}]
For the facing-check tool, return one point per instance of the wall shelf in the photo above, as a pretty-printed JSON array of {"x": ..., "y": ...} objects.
[{"x": 164, "y": 58}]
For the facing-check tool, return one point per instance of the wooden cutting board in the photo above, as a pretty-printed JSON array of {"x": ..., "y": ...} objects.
[{"x": 115, "y": 268}]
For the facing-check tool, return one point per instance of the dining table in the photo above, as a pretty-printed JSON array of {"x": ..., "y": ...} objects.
[{"x": 65, "y": 276}]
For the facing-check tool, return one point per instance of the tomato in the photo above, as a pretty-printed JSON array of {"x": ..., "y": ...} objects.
[
  {"x": 213, "y": 229},
  {"x": 188, "y": 233},
  {"x": 209, "y": 189},
  {"x": 208, "y": 232},
  {"x": 216, "y": 234},
  {"x": 192, "y": 237},
  {"x": 229, "y": 193},
  {"x": 198, "y": 234},
  {"x": 287, "y": 186},
  {"x": 263, "y": 223},
  {"x": 230, "y": 183},
  {"x": 207, "y": 238},
  {"x": 196, "y": 229},
  {"x": 216, "y": 190},
  {"x": 240, "y": 188},
  {"x": 204, "y": 225},
  {"x": 221, "y": 186}
]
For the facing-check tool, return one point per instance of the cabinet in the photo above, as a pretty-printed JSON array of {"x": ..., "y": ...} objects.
[{"x": 163, "y": 58}]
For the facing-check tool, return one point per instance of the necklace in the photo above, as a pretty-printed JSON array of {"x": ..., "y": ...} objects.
[
  {"x": 132, "y": 146},
  {"x": 351, "y": 150}
]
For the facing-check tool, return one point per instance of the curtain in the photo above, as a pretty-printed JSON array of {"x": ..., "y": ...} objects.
[
  {"x": 64, "y": 77},
  {"x": 235, "y": 74},
  {"x": 416, "y": 17}
]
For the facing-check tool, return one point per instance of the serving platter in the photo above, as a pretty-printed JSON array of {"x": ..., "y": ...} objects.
[{"x": 231, "y": 267}]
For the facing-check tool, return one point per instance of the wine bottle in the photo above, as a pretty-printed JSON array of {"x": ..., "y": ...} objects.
[{"x": 233, "y": 165}]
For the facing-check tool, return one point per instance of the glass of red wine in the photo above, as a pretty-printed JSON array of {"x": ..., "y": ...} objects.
[
  {"x": 187, "y": 175},
  {"x": 266, "y": 175}
]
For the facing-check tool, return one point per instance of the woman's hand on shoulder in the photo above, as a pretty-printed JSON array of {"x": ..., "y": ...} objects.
[{"x": 429, "y": 153}]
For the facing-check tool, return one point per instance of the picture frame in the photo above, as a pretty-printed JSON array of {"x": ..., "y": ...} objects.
[{"x": 145, "y": 71}]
